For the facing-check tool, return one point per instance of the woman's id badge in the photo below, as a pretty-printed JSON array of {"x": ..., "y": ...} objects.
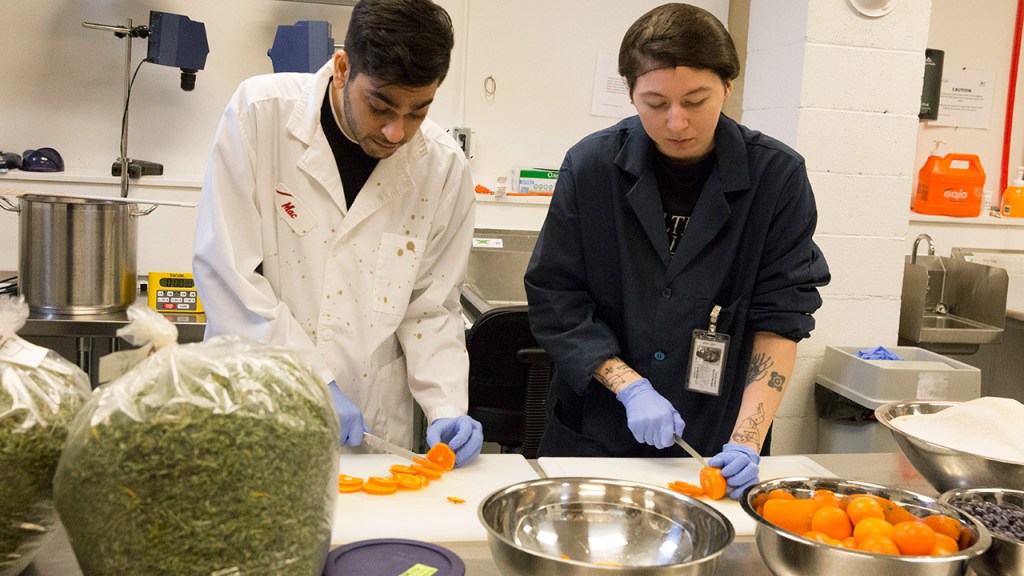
[{"x": 708, "y": 351}]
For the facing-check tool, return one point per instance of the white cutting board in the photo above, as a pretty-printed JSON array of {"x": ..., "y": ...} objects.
[
  {"x": 423, "y": 514},
  {"x": 661, "y": 471}
]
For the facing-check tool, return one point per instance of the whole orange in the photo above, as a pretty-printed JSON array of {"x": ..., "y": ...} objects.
[
  {"x": 864, "y": 507},
  {"x": 833, "y": 521},
  {"x": 913, "y": 538}
]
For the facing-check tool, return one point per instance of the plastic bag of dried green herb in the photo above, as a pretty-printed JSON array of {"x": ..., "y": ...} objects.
[
  {"x": 215, "y": 458},
  {"x": 40, "y": 392}
]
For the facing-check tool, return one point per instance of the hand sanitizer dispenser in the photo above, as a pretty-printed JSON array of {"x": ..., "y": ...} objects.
[{"x": 1013, "y": 197}]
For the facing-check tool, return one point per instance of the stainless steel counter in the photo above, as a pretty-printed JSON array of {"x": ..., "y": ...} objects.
[
  {"x": 84, "y": 338},
  {"x": 190, "y": 326},
  {"x": 741, "y": 558}
]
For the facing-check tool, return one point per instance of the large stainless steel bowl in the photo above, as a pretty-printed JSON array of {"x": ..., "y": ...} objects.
[
  {"x": 586, "y": 526},
  {"x": 946, "y": 468},
  {"x": 787, "y": 554},
  {"x": 1006, "y": 555}
]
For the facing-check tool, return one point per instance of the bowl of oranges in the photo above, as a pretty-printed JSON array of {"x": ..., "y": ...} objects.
[{"x": 833, "y": 526}]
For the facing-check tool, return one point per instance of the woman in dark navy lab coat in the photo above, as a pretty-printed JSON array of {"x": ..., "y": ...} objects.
[{"x": 676, "y": 270}]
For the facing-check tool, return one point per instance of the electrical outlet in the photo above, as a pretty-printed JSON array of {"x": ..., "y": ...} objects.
[{"x": 462, "y": 136}]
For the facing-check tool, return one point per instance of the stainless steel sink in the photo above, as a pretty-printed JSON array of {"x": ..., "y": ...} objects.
[
  {"x": 952, "y": 301},
  {"x": 497, "y": 263},
  {"x": 946, "y": 328}
]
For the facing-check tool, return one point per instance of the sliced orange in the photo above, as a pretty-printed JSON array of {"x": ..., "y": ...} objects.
[
  {"x": 347, "y": 484},
  {"x": 401, "y": 469},
  {"x": 712, "y": 482},
  {"x": 377, "y": 486},
  {"x": 686, "y": 488},
  {"x": 383, "y": 481},
  {"x": 427, "y": 464},
  {"x": 409, "y": 481},
  {"x": 442, "y": 455},
  {"x": 428, "y": 473}
]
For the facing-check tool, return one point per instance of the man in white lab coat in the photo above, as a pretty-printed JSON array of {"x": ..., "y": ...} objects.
[{"x": 337, "y": 220}]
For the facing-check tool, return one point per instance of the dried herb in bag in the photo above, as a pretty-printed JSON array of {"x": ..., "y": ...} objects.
[
  {"x": 217, "y": 458},
  {"x": 40, "y": 392}
]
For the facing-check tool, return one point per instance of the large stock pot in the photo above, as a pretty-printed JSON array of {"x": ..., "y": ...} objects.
[{"x": 78, "y": 253}]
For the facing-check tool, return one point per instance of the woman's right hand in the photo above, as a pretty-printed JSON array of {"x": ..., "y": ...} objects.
[{"x": 651, "y": 418}]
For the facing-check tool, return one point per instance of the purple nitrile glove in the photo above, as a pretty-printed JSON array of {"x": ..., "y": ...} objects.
[
  {"x": 464, "y": 435},
  {"x": 739, "y": 467},
  {"x": 349, "y": 416},
  {"x": 651, "y": 418}
]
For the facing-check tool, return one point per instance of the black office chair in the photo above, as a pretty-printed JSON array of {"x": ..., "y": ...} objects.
[{"x": 509, "y": 376}]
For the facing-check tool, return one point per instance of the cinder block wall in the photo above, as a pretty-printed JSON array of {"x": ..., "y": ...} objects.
[{"x": 844, "y": 90}]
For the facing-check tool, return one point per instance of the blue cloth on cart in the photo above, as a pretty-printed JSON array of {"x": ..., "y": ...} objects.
[{"x": 878, "y": 353}]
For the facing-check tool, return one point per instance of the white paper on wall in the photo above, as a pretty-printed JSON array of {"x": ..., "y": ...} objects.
[
  {"x": 965, "y": 100},
  {"x": 611, "y": 96}
]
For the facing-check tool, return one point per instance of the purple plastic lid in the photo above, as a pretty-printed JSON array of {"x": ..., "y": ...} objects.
[{"x": 393, "y": 557}]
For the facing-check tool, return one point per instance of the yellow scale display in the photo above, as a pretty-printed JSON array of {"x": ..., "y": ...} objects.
[{"x": 173, "y": 292}]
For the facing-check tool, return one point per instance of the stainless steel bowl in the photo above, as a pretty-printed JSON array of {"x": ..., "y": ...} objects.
[
  {"x": 586, "y": 526},
  {"x": 946, "y": 468},
  {"x": 1006, "y": 555},
  {"x": 787, "y": 554}
]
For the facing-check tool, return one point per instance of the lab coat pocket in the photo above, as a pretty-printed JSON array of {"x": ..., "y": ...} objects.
[
  {"x": 390, "y": 409},
  {"x": 398, "y": 261}
]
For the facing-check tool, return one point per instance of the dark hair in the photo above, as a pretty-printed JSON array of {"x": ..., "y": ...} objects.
[
  {"x": 677, "y": 35},
  {"x": 404, "y": 42}
]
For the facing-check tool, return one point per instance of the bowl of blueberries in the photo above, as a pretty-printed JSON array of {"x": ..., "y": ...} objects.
[{"x": 1002, "y": 512}]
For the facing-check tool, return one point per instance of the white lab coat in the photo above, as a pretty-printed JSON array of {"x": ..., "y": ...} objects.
[{"x": 369, "y": 296}]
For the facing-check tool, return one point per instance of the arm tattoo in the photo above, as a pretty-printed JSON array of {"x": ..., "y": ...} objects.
[
  {"x": 759, "y": 365},
  {"x": 777, "y": 381},
  {"x": 617, "y": 374},
  {"x": 748, "y": 433}
]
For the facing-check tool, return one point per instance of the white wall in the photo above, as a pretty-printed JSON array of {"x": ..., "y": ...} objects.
[
  {"x": 62, "y": 87},
  {"x": 541, "y": 54},
  {"x": 63, "y": 84},
  {"x": 843, "y": 90}
]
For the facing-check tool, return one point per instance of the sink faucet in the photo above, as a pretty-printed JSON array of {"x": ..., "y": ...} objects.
[{"x": 931, "y": 247}]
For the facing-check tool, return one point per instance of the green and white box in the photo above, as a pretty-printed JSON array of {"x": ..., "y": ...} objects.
[{"x": 531, "y": 180}]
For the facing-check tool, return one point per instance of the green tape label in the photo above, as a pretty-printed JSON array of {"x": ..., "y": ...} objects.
[
  {"x": 419, "y": 570},
  {"x": 540, "y": 174}
]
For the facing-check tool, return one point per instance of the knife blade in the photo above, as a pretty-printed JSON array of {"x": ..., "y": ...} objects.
[
  {"x": 689, "y": 450},
  {"x": 381, "y": 444}
]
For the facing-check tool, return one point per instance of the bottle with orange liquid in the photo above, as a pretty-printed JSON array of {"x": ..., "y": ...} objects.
[{"x": 1013, "y": 197}]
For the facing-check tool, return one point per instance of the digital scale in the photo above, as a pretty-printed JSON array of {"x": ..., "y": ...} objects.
[{"x": 173, "y": 292}]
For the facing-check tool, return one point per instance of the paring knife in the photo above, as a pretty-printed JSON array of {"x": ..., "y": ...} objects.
[
  {"x": 689, "y": 450},
  {"x": 382, "y": 444}
]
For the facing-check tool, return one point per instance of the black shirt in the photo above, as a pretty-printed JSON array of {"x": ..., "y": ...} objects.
[
  {"x": 680, "y": 185},
  {"x": 354, "y": 165}
]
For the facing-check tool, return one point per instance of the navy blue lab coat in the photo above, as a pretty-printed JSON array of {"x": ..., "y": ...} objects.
[{"x": 601, "y": 281}]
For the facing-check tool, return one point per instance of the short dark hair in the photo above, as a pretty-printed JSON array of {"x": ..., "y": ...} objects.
[
  {"x": 677, "y": 35},
  {"x": 404, "y": 42}
]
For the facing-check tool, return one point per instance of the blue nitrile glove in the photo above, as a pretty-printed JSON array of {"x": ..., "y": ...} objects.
[
  {"x": 464, "y": 435},
  {"x": 351, "y": 419},
  {"x": 739, "y": 467},
  {"x": 651, "y": 418},
  {"x": 878, "y": 353}
]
